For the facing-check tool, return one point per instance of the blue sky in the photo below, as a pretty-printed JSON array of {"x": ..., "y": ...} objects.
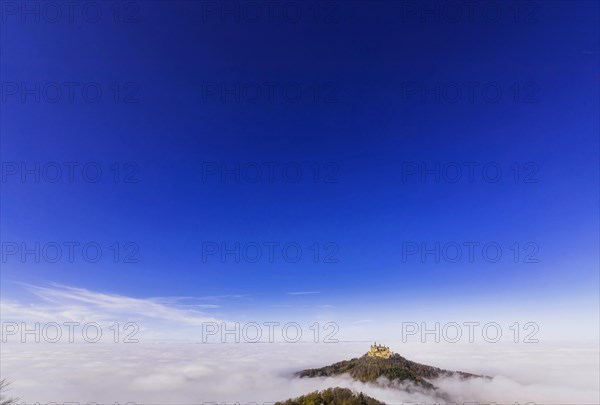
[{"x": 368, "y": 117}]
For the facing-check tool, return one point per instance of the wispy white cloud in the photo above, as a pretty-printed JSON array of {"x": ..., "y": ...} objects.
[
  {"x": 301, "y": 306},
  {"x": 303, "y": 292},
  {"x": 217, "y": 298},
  {"x": 207, "y": 306},
  {"x": 59, "y": 303}
]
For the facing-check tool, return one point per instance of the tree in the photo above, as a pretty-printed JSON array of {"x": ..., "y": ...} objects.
[
  {"x": 4, "y": 398},
  {"x": 332, "y": 396}
]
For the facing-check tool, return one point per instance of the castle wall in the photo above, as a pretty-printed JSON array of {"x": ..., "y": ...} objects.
[{"x": 380, "y": 351}]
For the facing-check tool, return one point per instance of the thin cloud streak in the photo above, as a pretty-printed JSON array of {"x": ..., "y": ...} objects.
[{"x": 303, "y": 292}]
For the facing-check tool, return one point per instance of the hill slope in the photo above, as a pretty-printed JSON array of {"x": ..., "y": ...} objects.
[
  {"x": 332, "y": 396},
  {"x": 367, "y": 368}
]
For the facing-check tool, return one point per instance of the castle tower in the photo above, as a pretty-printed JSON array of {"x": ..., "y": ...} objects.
[{"x": 379, "y": 351}]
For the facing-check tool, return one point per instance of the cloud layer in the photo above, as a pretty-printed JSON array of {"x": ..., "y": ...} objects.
[
  {"x": 164, "y": 368},
  {"x": 197, "y": 373}
]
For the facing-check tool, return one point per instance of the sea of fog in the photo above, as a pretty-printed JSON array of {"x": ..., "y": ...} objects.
[{"x": 196, "y": 373}]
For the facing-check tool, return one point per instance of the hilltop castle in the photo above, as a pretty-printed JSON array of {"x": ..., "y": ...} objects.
[{"x": 380, "y": 351}]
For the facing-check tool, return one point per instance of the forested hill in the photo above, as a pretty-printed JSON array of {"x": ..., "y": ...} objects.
[
  {"x": 332, "y": 396},
  {"x": 367, "y": 368}
]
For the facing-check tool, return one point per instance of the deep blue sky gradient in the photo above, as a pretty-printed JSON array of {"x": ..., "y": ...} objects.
[{"x": 368, "y": 132}]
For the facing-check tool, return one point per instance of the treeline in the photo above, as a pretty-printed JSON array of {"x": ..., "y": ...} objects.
[{"x": 332, "y": 396}]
